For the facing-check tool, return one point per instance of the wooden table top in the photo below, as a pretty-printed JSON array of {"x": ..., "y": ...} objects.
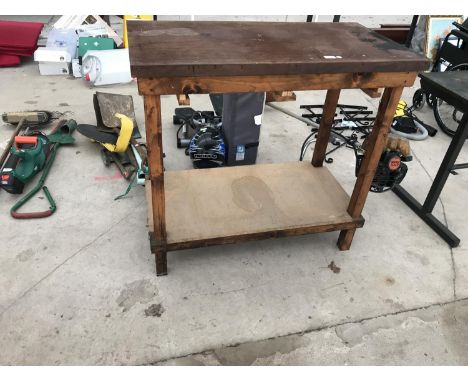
[{"x": 207, "y": 48}]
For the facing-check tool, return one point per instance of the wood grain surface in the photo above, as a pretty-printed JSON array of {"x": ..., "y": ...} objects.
[
  {"x": 252, "y": 84},
  {"x": 233, "y": 204},
  {"x": 212, "y": 48}
]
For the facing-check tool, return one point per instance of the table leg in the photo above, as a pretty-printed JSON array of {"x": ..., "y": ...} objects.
[
  {"x": 447, "y": 164},
  {"x": 156, "y": 174},
  {"x": 329, "y": 110},
  {"x": 375, "y": 145}
]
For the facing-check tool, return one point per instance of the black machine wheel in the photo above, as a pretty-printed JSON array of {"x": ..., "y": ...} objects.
[
  {"x": 418, "y": 99},
  {"x": 430, "y": 99},
  {"x": 105, "y": 158},
  {"x": 446, "y": 116}
]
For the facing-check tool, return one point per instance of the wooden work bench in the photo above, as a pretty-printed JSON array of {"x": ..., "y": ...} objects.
[{"x": 197, "y": 208}]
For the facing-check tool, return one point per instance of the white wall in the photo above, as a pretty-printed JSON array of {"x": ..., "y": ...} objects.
[{"x": 368, "y": 21}]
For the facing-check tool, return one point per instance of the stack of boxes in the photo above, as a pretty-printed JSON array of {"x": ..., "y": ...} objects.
[
  {"x": 55, "y": 58},
  {"x": 70, "y": 39}
]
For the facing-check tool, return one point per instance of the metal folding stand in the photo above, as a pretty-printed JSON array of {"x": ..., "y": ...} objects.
[
  {"x": 459, "y": 167},
  {"x": 452, "y": 88},
  {"x": 354, "y": 118}
]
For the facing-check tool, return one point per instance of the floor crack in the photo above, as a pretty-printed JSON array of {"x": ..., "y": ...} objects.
[
  {"x": 452, "y": 259},
  {"x": 316, "y": 329},
  {"x": 221, "y": 292}
]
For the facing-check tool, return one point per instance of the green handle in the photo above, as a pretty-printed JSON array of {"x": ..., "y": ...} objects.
[
  {"x": 34, "y": 215},
  {"x": 30, "y": 194}
]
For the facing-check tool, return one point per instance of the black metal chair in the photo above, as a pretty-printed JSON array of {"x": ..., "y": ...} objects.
[{"x": 453, "y": 54}]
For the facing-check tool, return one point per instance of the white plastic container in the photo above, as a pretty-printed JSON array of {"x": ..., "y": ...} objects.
[
  {"x": 106, "y": 67},
  {"x": 53, "y": 61},
  {"x": 64, "y": 39},
  {"x": 76, "y": 68},
  {"x": 88, "y": 26}
]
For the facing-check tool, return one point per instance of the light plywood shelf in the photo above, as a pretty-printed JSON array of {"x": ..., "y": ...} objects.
[{"x": 233, "y": 204}]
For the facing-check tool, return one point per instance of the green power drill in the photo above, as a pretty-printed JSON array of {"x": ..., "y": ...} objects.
[{"x": 28, "y": 156}]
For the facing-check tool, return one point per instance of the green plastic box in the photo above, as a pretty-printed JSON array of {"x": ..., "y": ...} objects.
[{"x": 94, "y": 43}]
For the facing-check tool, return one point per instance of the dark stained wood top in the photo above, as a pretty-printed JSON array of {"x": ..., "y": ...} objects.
[
  {"x": 452, "y": 87},
  {"x": 206, "y": 48}
]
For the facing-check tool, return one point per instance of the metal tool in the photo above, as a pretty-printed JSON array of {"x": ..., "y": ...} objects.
[
  {"x": 123, "y": 161},
  {"x": 140, "y": 155},
  {"x": 116, "y": 144},
  {"x": 61, "y": 135},
  {"x": 27, "y": 157}
]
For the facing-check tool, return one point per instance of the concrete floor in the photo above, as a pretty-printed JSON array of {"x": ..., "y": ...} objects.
[{"x": 76, "y": 288}]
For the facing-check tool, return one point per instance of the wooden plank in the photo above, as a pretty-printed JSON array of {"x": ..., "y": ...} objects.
[
  {"x": 161, "y": 262},
  {"x": 407, "y": 26},
  {"x": 280, "y": 96},
  {"x": 374, "y": 148},
  {"x": 149, "y": 205},
  {"x": 326, "y": 122},
  {"x": 152, "y": 106},
  {"x": 184, "y": 48},
  {"x": 233, "y": 204},
  {"x": 373, "y": 93},
  {"x": 206, "y": 85},
  {"x": 183, "y": 99},
  {"x": 274, "y": 234},
  {"x": 398, "y": 35},
  {"x": 355, "y": 223}
]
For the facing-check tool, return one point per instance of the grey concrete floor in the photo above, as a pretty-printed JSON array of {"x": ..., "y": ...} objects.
[{"x": 75, "y": 288}]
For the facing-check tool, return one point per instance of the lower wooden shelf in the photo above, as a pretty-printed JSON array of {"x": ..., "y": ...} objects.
[{"x": 233, "y": 204}]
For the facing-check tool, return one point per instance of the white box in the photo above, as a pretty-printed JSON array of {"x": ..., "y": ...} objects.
[
  {"x": 63, "y": 38},
  {"x": 88, "y": 26},
  {"x": 76, "y": 68},
  {"x": 106, "y": 67},
  {"x": 53, "y": 61}
]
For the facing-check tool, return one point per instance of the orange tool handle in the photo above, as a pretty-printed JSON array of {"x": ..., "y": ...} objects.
[{"x": 25, "y": 139}]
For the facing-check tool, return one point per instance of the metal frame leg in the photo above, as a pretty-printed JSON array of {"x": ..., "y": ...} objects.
[
  {"x": 425, "y": 211},
  {"x": 447, "y": 164},
  {"x": 460, "y": 166}
]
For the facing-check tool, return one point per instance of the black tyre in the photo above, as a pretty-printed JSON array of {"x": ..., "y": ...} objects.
[
  {"x": 447, "y": 117},
  {"x": 418, "y": 99},
  {"x": 430, "y": 99},
  {"x": 105, "y": 158}
]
